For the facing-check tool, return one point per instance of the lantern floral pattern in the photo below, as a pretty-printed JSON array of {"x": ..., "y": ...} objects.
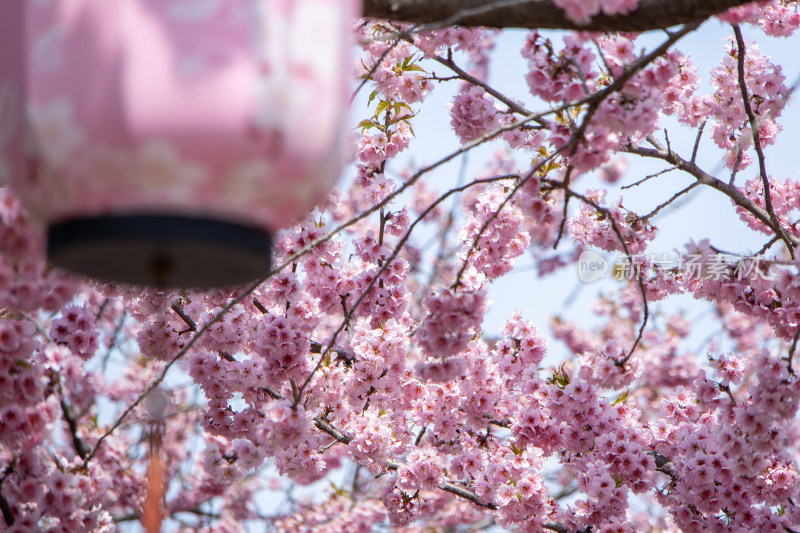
[{"x": 232, "y": 109}]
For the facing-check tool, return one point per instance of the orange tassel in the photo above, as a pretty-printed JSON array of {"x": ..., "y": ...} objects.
[{"x": 152, "y": 513}]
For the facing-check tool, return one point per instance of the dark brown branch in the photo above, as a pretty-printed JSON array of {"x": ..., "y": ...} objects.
[
  {"x": 329, "y": 428},
  {"x": 135, "y": 517},
  {"x": 257, "y": 303},
  {"x": 8, "y": 513},
  {"x": 318, "y": 347},
  {"x": 181, "y": 313},
  {"x": 791, "y": 352},
  {"x": 754, "y": 130},
  {"x": 5, "y": 507},
  {"x": 465, "y": 494},
  {"x": 72, "y": 423},
  {"x": 650, "y": 15}
]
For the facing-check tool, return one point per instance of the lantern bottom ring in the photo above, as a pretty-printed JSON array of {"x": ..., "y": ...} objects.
[{"x": 161, "y": 250}]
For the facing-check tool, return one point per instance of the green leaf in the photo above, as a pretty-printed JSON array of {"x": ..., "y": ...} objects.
[
  {"x": 414, "y": 68},
  {"x": 372, "y": 96},
  {"x": 338, "y": 491},
  {"x": 560, "y": 378},
  {"x": 621, "y": 398},
  {"x": 381, "y": 107}
]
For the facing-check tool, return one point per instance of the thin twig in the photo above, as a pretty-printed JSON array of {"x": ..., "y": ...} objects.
[
  {"x": 512, "y": 105},
  {"x": 493, "y": 217},
  {"x": 648, "y": 177},
  {"x": 640, "y": 277},
  {"x": 677, "y": 195},
  {"x": 368, "y": 76},
  {"x": 697, "y": 141},
  {"x": 114, "y": 338},
  {"x": 567, "y": 196}
]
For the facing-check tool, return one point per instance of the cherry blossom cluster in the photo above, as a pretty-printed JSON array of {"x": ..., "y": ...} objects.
[
  {"x": 727, "y": 452},
  {"x": 364, "y": 367},
  {"x": 473, "y": 114},
  {"x": 75, "y": 328},
  {"x": 26, "y": 282},
  {"x": 491, "y": 215},
  {"x": 766, "y": 89},
  {"x": 603, "y": 228},
  {"x": 777, "y": 18},
  {"x": 570, "y": 74}
]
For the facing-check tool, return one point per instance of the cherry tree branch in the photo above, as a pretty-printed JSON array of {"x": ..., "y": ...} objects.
[
  {"x": 754, "y": 130},
  {"x": 664, "y": 204},
  {"x": 324, "y": 425},
  {"x": 639, "y": 278},
  {"x": 5, "y": 507},
  {"x": 469, "y": 78},
  {"x": 408, "y": 183},
  {"x": 447, "y": 486},
  {"x": 691, "y": 168},
  {"x": 180, "y": 312},
  {"x": 792, "y": 349},
  {"x": 72, "y": 423},
  {"x": 594, "y": 101},
  {"x": 544, "y": 14},
  {"x": 597, "y": 98}
]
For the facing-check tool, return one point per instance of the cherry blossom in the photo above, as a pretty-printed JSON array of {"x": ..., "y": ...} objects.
[{"x": 367, "y": 382}]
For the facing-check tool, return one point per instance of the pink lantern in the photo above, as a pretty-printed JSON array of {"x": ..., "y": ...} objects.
[{"x": 166, "y": 139}]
